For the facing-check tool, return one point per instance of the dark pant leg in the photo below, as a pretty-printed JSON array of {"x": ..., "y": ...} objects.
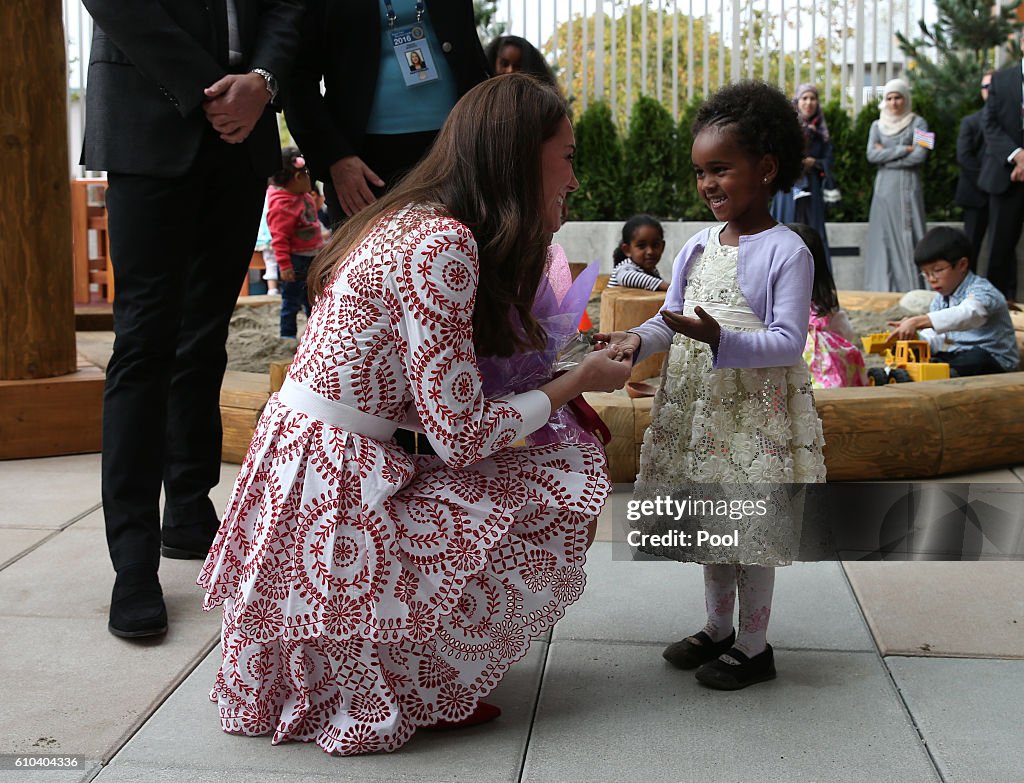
[
  {"x": 294, "y": 296},
  {"x": 1006, "y": 213},
  {"x": 150, "y": 222},
  {"x": 975, "y": 226},
  {"x": 231, "y": 201},
  {"x": 973, "y": 361}
]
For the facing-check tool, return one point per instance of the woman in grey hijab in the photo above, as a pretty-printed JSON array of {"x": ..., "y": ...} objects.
[{"x": 897, "y": 203}]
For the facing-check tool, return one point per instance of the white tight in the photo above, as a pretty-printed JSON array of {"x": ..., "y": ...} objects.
[{"x": 755, "y": 585}]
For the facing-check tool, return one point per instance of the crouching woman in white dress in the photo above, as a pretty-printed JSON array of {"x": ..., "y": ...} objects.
[{"x": 367, "y": 593}]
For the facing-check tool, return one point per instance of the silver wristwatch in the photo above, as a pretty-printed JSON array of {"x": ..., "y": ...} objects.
[{"x": 271, "y": 81}]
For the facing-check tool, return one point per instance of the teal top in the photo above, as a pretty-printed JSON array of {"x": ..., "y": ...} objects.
[{"x": 401, "y": 109}]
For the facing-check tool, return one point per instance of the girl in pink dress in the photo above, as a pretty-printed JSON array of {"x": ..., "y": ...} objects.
[
  {"x": 831, "y": 349},
  {"x": 367, "y": 592}
]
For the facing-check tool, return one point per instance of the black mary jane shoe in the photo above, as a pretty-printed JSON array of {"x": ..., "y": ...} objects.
[
  {"x": 724, "y": 675},
  {"x": 691, "y": 652},
  {"x": 137, "y": 605}
]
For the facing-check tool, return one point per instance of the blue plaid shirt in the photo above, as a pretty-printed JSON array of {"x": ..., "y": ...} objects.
[{"x": 995, "y": 335}]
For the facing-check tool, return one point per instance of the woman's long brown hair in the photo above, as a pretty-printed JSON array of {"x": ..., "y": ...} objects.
[{"x": 483, "y": 170}]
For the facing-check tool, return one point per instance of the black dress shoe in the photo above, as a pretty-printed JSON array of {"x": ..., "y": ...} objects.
[
  {"x": 137, "y": 604},
  {"x": 189, "y": 542},
  {"x": 188, "y": 531},
  {"x": 734, "y": 670},
  {"x": 691, "y": 652}
]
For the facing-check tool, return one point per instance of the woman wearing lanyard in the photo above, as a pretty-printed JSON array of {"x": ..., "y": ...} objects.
[{"x": 377, "y": 116}]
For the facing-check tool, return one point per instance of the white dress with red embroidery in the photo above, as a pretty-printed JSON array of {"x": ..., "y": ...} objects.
[{"x": 367, "y": 592}]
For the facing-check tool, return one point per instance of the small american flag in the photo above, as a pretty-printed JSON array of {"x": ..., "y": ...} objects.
[{"x": 924, "y": 138}]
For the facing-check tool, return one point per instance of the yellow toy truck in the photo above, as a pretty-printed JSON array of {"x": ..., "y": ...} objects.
[{"x": 910, "y": 362}]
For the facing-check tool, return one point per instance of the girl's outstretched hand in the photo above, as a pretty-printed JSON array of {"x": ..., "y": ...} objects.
[
  {"x": 703, "y": 327},
  {"x": 623, "y": 345}
]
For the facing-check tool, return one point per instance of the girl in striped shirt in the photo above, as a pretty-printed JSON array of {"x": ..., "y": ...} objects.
[{"x": 637, "y": 256}]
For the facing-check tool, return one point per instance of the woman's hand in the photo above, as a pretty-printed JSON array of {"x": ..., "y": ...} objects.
[
  {"x": 625, "y": 344},
  {"x": 809, "y": 164},
  {"x": 703, "y": 327},
  {"x": 599, "y": 371},
  {"x": 352, "y": 180},
  {"x": 604, "y": 370}
]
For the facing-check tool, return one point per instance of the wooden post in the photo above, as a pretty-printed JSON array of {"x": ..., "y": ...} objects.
[
  {"x": 37, "y": 319},
  {"x": 48, "y": 404}
]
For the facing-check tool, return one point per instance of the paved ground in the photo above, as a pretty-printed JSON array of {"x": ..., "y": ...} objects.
[{"x": 898, "y": 672}]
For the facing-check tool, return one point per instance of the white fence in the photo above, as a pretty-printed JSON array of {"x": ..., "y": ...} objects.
[
  {"x": 673, "y": 50},
  {"x": 613, "y": 50}
]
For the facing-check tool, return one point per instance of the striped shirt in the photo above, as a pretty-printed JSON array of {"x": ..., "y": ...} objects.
[{"x": 629, "y": 275}]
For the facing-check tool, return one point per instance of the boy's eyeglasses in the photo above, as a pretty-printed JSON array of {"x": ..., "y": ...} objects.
[{"x": 935, "y": 272}]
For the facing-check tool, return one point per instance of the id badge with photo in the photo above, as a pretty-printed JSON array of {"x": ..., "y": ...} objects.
[{"x": 415, "y": 60}]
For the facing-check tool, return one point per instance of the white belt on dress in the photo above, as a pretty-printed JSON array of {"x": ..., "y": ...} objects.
[
  {"x": 336, "y": 414},
  {"x": 732, "y": 316}
]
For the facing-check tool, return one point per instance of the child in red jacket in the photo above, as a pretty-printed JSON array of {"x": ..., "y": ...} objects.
[{"x": 295, "y": 234}]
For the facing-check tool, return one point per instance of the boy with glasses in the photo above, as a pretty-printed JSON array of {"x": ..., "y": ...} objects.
[{"x": 969, "y": 324}]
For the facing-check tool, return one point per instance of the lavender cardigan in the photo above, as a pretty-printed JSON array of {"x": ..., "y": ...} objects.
[{"x": 776, "y": 273}]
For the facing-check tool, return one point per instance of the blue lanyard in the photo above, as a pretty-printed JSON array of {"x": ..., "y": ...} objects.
[{"x": 393, "y": 17}]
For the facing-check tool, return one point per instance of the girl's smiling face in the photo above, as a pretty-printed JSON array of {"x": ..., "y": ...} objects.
[
  {"x": 645, "y": 248},
  {"x": 732, "y": 181}
]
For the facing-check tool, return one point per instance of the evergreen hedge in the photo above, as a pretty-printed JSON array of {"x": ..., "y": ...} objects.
[
  {"x": 598, "y": 166},
  {"x": 649, "y": 169}
]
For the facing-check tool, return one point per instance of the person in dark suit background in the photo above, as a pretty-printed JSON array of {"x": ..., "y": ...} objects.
[
  {"x": 970, "y": 147},
  {"x": 1002, "y": 176},
  {"x": 177, "y": 113},
  {"x": 369, "y": 128}
]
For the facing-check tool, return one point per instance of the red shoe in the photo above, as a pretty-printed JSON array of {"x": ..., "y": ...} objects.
[{"x": 483, "y": 713}]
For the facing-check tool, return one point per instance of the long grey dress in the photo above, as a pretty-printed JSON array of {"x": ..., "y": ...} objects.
[{"x": 897, "y": 210}]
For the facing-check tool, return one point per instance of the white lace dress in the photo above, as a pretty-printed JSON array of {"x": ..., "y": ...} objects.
[{"x": 730, "y": 433}]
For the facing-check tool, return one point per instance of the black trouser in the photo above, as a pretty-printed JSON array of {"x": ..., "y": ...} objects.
[
  {"x": 180, "y": 248},
  {"x": 973, "y": 361},
  {"x": 389, "y": 157},
  {"x": 1006, "y": 216},
  {"x": 975, "y": 226}
]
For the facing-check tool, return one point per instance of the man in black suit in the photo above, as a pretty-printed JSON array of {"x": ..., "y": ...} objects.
[
  {"x": 342, "y": 45},
  {"x": 1002, "y": 175},
  {"x": 970, "y": 146},
  {"x": 178, "y": 114}
]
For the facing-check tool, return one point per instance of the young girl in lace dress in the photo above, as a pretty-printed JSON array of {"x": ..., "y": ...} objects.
[{"x": 734, "y": 418}]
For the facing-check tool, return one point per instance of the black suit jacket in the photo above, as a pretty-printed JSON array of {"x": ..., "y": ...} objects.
[
  {"x": 341, "y": 45},
  {"x": 970, "y": 147},
  {"x": 149, "y": 64},
  {"x": 1004, "y": 129}
]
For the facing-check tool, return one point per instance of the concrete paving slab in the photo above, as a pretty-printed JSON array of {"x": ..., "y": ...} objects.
[
  {"x": 617, "y": 712},
  {"x": 1018, "y": 471},
  {"x": 661, "y": 601},
  {"x": 219, "y": 495},
  {"x": 71, "y": 576},
  {"x": 83, "y": 773},
  {"x": 969, "y": 713},
  {"x": 48, "y": 492},
  {"x": 16, "y": 541},
  {"x": 80, "y": 690},
  {"x": 973, "y": 610},
  {"x": 493, "y": 752}
]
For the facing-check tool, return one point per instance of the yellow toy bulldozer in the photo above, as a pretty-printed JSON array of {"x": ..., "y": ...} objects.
[{"x": 910, "y": 362}]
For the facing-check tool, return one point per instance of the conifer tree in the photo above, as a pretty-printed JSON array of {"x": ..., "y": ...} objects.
[{"x": 964, "y": 37}]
